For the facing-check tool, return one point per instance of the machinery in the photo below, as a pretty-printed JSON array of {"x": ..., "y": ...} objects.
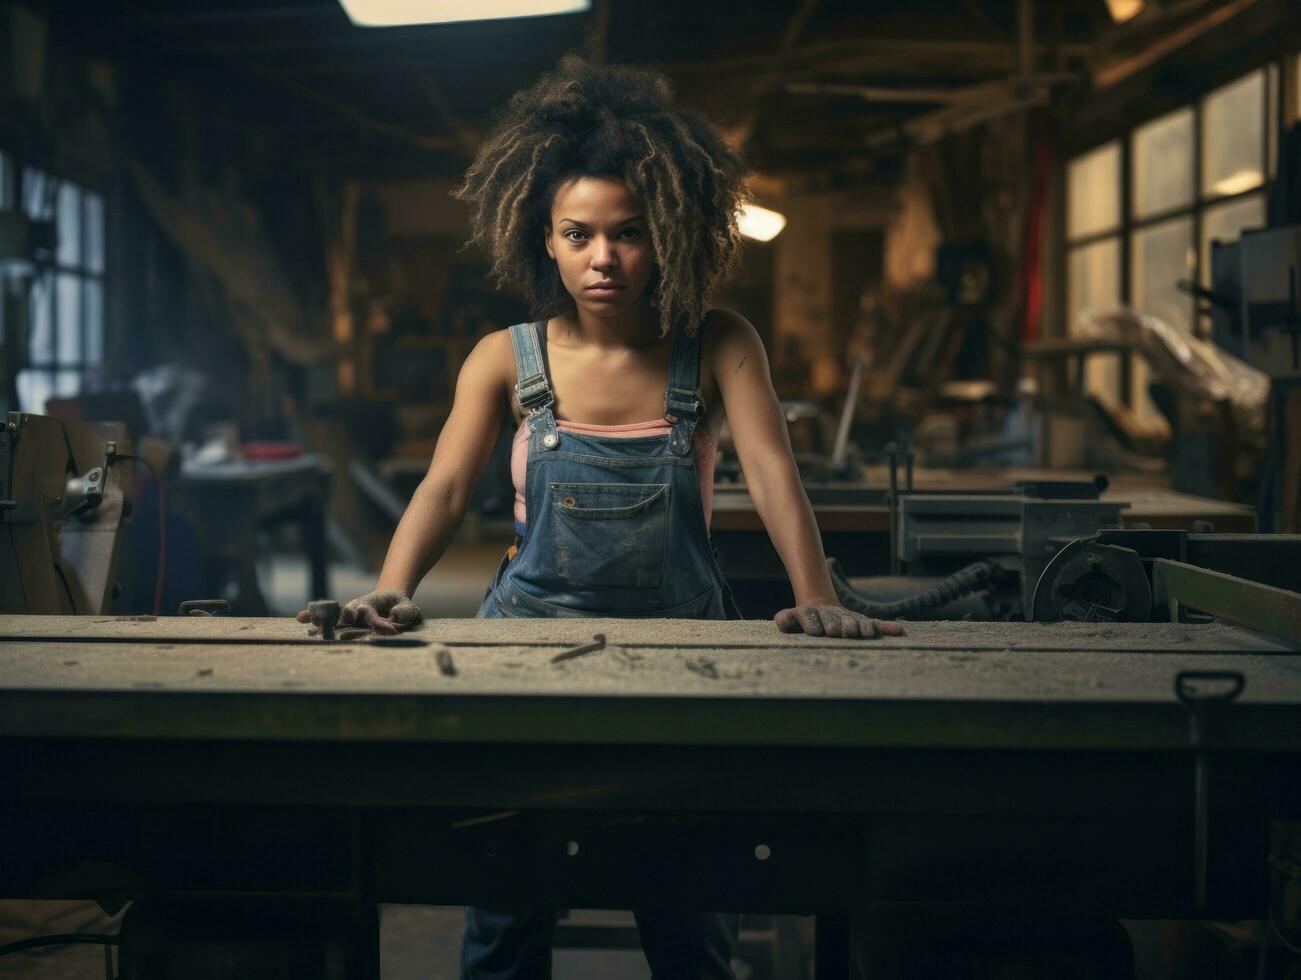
[
  {"x": 976, "y": 555},
  {"x": 1052, "y": 551},
  {"x": 63, "y": 503},
  {"x": 1255, "y": 302}
]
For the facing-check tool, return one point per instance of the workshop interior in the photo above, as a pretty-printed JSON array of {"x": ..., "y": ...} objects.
[{"x": 1028, "y": 277}]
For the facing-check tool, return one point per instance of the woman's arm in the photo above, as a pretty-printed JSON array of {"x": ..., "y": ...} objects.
[
  {"x": 439, "y": 502},
  {"x": 735, "y": 355}
]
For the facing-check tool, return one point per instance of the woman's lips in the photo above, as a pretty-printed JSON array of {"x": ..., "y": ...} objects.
[{"x": 604, "y": 291}]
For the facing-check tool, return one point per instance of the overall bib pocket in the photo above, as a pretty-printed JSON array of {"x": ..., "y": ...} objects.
[{"x": 609, "y": 535}]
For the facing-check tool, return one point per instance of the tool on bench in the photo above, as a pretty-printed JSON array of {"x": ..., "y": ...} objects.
[
  {"x": 325, "y": 616},
  {"x": 598, "y": 643},
  {"x": 204, "y": 607}
]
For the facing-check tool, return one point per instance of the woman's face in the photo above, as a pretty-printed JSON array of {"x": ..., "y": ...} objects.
[{"x": 601, "y": 245}]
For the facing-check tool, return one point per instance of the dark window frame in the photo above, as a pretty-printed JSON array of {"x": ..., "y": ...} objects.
[
  {"x": 1277, "y": 74},
  {"x": 49, "y": 269}
]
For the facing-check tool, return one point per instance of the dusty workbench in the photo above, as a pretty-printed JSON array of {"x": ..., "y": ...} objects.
[
  {"x": 671, "y": 682},
  {"x": 720, "y": 765}
]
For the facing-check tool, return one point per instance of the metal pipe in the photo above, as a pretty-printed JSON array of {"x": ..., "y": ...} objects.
[
  {"x": 841, "y": 447},
  {"x": 893, "y": 450}
]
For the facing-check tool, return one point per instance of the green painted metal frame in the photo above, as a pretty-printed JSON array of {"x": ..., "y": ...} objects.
[{"x": 1260, "y": 607}]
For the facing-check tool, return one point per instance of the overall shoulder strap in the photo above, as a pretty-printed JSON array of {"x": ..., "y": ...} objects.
[
  {"x": 531, "y": 385},
  {"x": 682, "y": 398},
  {"x": 683, "y": 405}
]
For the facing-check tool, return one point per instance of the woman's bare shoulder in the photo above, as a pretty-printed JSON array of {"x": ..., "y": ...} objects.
[
  {"x": 493, "y": 355},
  {"x": 490, "y": 367},
  {"x": 727, "y": 332}
]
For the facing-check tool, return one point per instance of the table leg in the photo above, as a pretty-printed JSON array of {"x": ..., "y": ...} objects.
[
  {"x": 250, "y": 602},
  {"x": 831, "y": 946}
]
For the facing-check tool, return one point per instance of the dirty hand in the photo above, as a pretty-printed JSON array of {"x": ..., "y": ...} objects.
[
  {"x": 833, "y": 620},
  {"x": 385, "y": 611}
]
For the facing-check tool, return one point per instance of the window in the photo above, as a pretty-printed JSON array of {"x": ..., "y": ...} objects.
[
  {"x": 1174, "y": 185},
  {"x": 1296, "y": 87},
  {"x": 1233, "y": 137},
  {"x": 1093, "y": 218},
  {"x": 1163, "y": 164},
  {"x": 66, "y": 296}
]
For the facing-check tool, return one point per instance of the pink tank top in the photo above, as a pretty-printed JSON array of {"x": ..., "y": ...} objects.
[{"x": 703, "y": 444}]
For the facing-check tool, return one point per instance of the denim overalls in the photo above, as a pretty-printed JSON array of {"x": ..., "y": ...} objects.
[
  {"x": 615, "y": 525},
  {"x": 615, "y": 528}
]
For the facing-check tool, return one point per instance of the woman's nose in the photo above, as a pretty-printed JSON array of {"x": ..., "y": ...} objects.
[{"x": 603, "y": 255}]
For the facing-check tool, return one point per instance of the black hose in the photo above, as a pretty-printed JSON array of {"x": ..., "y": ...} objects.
[
  {"x": 65, "y": 939},
  {"x": 960, "y": 583}
]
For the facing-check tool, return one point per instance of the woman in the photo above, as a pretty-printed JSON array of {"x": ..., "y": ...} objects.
[{"x": 614, "y": 213}]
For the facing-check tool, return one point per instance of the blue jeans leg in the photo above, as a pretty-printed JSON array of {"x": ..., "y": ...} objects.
[
  {"x": 688, "y": 945},
  {"x": 507, "y": 945}
]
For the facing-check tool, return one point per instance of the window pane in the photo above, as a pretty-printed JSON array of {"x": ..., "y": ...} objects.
[
  {"x": 93, "y": 229},
  {"x": 1272, "y": 113},
  {"x": 1225, "y": 222},
  {"x": 34, "y": 388},
  {"x": 1233, "y": 137},
  {"x": 1094, "y": 276},
  {"x": 1093, "y": 283},
  {"x": 1162, "y": 255},
  {"x": 69, "y": 252},
  {"x": 36, "y": 190},
  {"x": 67, "y": 303},
  {"x": 1093, "y": 192},
  {"x": 41, "y": 347},
  {"x": 1163, "y": 164},
  {"x": 93, "y": 296},
  {"x": 66, "y": 383}
]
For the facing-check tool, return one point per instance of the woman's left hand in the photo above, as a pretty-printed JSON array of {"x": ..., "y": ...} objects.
[{"x": 834, "y": 620}]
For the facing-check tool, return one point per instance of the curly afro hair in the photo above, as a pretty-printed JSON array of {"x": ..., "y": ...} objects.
[{"x": 585, "y": 120}]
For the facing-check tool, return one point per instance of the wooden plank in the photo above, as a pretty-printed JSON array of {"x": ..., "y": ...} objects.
[
  {"x": 869, "y": 672},
  {"x": 553, "y": 634},
  {"x": 655, "y": 683}
]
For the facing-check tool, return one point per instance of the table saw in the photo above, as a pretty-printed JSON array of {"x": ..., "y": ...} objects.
[{"x": 1133, "y": 770}]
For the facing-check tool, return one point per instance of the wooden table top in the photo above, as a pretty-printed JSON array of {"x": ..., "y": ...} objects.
[{"x": 662, "y": 681}]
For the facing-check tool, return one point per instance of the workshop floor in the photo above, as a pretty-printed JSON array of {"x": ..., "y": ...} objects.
[
  {"x": 417, "y": 942},
  {"x": 454, "y": 588}
]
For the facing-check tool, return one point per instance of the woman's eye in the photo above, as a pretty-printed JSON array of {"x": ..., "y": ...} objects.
[
  {"x": 632, "y": 233},
  {"x": 574, "y": 235}
]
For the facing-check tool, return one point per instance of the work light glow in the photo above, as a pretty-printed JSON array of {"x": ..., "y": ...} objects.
[
  {"x": 1239, "y": 181},
  {"x": 759, "y": 223},
  {"x": 1123, "y": 10},
  {"x": 397, "y": 13}
]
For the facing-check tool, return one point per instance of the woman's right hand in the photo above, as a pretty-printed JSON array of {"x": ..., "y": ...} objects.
[{"x": 384, "y": 611}]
